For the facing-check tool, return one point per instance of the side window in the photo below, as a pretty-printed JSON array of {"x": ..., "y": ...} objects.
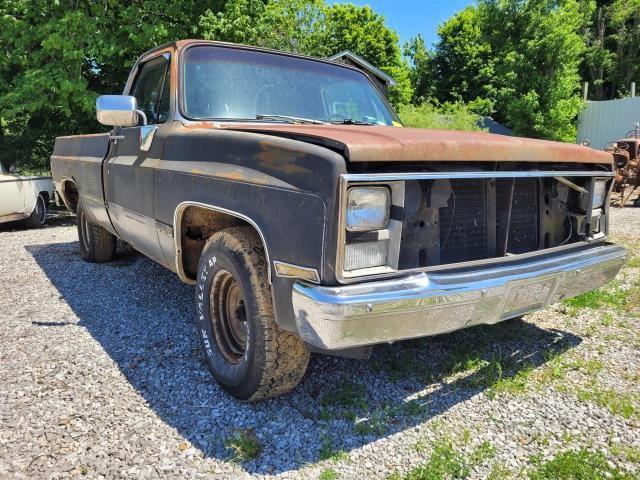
[{"x": 148, "y": 89}]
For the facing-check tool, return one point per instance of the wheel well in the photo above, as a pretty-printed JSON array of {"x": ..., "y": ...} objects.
[
  {"x": 70, "y": 194},
  {"x": 45, "y": 197},
  {"x": 197, "y": 224}
]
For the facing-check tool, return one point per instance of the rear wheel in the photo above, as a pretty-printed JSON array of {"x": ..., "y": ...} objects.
[
  {"x": 97, "y": 245},
  {"x": 39, "y": 214},
  {"x": 245, "y": 350}
]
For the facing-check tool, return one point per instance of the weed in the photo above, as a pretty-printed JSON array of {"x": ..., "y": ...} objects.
[
  {"x": 629, "y": 453},
  {"x": 325, "y": 414},
  {"x": 328, "y": 453},
  {"x": 483, "y": 452},
  {"x": 499, "y": 471},
  {"x": 576, "y": 465},
  {"x": 623, "y": 404},
  {"x": 416, "y": 407},
  {"x": 634, "y": 262},
  {"x": 609, "y": 296},
  {"x": 244, "y": 445},
  {"x": 444, "y": 463},
  {"x": 346, "y": 395},
  {"x": 376, "y": 425},
  {"x": 328, "y": 474},
  {"x": 513, "y": 385}
]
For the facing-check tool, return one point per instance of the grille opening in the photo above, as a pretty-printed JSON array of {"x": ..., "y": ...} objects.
[{"x": 450, "y": 221}]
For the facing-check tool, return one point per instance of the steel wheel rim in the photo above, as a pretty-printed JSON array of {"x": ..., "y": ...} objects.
[
  {"x": 43, "y": 212},
  {"x": 228, "y": 317},
  {"x": 84, "y": 229}
]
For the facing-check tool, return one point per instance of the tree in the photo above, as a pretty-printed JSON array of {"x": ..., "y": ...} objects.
[
  {"x": 61, "y": 55},
  {"x": 421, "y": 71},
  {"x": 518, "y": 60},
  {"x": 464, "y": 62},
  {"x": 313, "y": 28}
]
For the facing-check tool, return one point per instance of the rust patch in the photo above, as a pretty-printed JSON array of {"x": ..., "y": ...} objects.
[
  {"x": 390, "y": 144},
  {"x": 279, "y": 159}
]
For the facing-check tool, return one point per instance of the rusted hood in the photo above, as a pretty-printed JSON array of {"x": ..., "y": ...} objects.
[{"x": 384, "y": 144}]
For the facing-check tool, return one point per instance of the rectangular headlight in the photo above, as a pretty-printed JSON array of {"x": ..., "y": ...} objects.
[
  {"x": 368, "y": 208},
  {"x": 599, "y": 193}
]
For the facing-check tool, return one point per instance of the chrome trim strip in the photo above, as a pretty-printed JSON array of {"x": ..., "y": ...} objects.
[
  {"x": 388, "y": 177},
  {"x": 431, "y": 304},
  {"x": 147, "y": 132},
  {"x": 177, "y": 220},
  {"x": 312, "y": 271}
]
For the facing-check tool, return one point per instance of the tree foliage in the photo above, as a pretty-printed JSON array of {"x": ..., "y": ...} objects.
[
  {"x": 612, "y": 60},
  {"x": 62, "y": 54},
  {"x": 312, "y": 27},
  {"x": 449, "y": 116},
  {"x": 517, "y": 60}
]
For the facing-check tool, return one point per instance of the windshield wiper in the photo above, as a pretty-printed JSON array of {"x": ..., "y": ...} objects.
[
  {"x": 288, "y": 118},
  {"x": 351, "y": 121}
]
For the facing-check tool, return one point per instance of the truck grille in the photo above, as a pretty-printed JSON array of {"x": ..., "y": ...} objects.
[{"x": 462, "y": 220}]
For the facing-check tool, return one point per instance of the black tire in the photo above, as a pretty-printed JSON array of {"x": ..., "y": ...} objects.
[
  {"x": 233, "y": 303},
  {"x": 39, "y": 215},
  {"x": 97, "y": 245}
]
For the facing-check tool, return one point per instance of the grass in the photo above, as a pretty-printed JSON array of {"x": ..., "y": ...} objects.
[
  {"x": 328, "y": 453},
  {"x": 445, "y": 463},
  {"x": 500, "y": 471},
  {"x": 610, "y": 296},
  {"x": 328, "y": 474},
  {"x": 346, "y": 395},
  {"x": 576, "y": 465},
  {"x": 626, "y": 452},
  {"x": 615, "y": 296},
  {"x": 618, "y": 403},
  {"x": 634, "y": 262},
  {"x": 448, "y": 463},
  {"x": 244, "y": 445}
]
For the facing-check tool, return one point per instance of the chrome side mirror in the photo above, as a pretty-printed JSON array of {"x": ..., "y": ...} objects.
[{"x": 118, "y": 111}]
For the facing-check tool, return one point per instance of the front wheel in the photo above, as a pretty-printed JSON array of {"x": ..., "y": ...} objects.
[
  {"x": 97, "y": 245},
  {"x": 245, "y": 350}
]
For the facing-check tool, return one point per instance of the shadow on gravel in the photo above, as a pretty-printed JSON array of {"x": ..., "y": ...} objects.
[{"x": 142, "y": 317}]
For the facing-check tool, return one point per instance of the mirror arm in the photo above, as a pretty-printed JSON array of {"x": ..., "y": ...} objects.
[{"x": 143, "y": 115}]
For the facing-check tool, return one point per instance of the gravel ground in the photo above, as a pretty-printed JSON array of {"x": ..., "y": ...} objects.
[{"x": 101, "y": 376}]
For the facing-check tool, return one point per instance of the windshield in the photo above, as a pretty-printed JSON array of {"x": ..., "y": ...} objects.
[{"x": 236, "y": 84}]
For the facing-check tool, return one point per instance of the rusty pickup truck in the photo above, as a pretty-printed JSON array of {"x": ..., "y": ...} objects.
[{"x": 286, "y": 190}]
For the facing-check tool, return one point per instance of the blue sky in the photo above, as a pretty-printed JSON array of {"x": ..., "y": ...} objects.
[{"x": 411, "y": 17}]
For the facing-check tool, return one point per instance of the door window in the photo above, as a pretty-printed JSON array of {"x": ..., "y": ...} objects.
[{"x": 151, "y": 89}]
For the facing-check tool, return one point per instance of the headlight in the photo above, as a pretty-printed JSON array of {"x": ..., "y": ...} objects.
[
  {"x": 598, "y": 197},
  {"x": 368, "y": 208},
  {"x": 599, "y": 193}
]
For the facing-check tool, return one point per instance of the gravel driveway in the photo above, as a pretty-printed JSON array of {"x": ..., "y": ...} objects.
[{"x": 101, "y": 376}]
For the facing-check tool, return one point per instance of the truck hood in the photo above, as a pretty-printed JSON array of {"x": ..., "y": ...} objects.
[{"x": 391, "y": 144}]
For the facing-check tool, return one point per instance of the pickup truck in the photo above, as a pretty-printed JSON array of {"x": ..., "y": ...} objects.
[
  {"x": 286, "y": 190},
  {"x": 24, "y": 198}
]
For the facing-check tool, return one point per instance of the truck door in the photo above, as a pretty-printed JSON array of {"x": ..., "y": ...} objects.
[{"x": 128, "y": 171}]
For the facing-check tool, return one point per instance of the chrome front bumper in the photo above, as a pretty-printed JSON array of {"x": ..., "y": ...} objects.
[{"x": 432, "y": 303}]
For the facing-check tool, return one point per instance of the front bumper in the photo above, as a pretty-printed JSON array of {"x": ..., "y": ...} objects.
[{"x": 427, "y": 304}]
